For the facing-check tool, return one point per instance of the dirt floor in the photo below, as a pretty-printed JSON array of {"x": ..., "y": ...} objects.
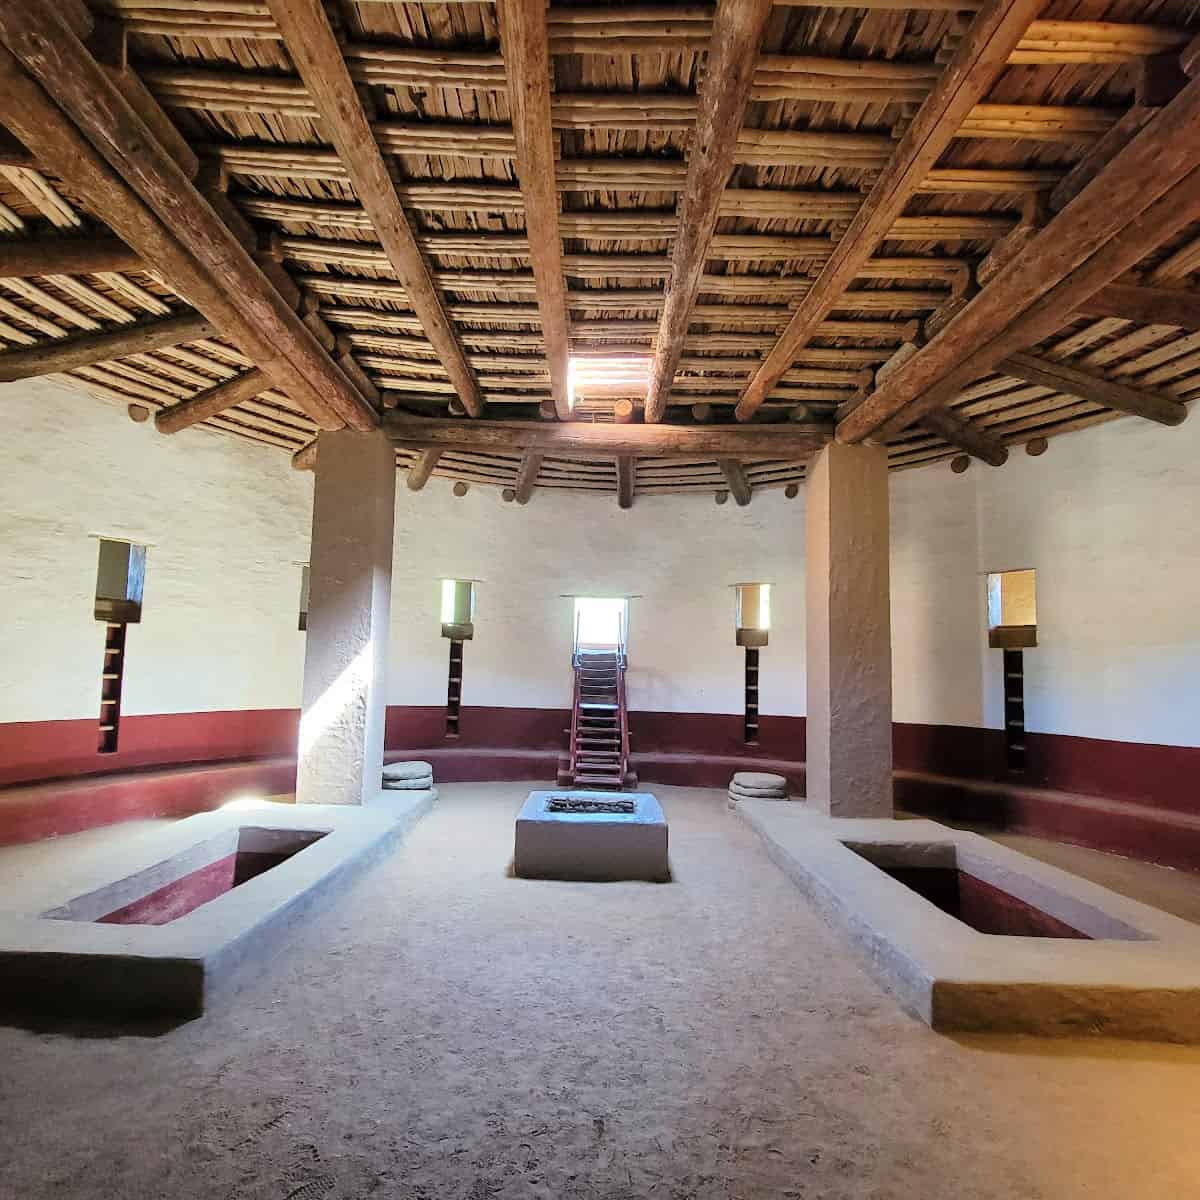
[{"x": 446, "y": 1031}]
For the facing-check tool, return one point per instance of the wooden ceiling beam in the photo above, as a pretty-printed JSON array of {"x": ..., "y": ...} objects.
[
  {"x": 737, "y": 34},
  {"x": 980, "y": 58},
  {"x": 1087, "y": 385},
  {"x": 791, "y": 440},
  {"x": 310, "y": 41},
  {"x": 524, "y": 40},
  {"x": 66, "y": 256},
  {"x": 626, "y": 480},
  {"x": 1145, "y": 305},
  {"x": 151, "y": 204},
  {"x": 69, "y": 354},
  {"x": 1149, "y": 193}
]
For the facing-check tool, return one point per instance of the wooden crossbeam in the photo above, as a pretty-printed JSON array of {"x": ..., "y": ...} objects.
[
  {"x": 66, "y": 256},
  {"x": 577, "y": 438},
  {"x": 69, "y": 354},
  {"x": 733, "y": 52},
  {"x": 980, "y": 58},
  {"x": 311, "y": 42},
  {"x": 626, "y": 480},
  {"x": 305, "y": 162},
  {"x": 1145, "y": 305},
  {"x": 211, "y": 402},
  {"x": 141, "y": 189},
  {"x": 525, "y": 42},
  {"x": 1087, "y": 385}
]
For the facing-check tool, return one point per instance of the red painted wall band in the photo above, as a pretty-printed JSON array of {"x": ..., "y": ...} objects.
[{"x": 1145, "y": 802}]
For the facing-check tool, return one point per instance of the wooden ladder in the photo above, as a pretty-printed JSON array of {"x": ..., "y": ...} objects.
[{"x": 599, "y": 722}]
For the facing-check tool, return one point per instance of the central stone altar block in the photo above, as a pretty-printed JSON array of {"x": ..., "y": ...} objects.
[{"x": 592, "y": 836}]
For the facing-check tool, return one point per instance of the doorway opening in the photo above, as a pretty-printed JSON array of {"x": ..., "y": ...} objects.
[{"x": 601, "y": 623}]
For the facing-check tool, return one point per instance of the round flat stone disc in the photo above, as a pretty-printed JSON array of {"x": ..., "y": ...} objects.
[
  {"x": 737, "y": 789},
  {"x": 760, "y": 779}
]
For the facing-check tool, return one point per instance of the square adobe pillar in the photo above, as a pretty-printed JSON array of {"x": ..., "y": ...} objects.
[
  {"x": 849, "y": 724},
  {"x": 340, "y": 758}
]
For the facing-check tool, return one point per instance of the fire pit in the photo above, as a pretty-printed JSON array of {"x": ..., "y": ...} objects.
[{"x": 591, "y": 836}]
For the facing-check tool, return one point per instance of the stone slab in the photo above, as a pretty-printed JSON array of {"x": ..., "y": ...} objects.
[
  {"x": 401, "y": 800},
  {"x": 415, "y": 769},
  {"x": 759, "y": 779},
  {"x": 418, "y": 783},
  {"x": 750, "y": 793},
  {"x": 83, "y": 970},
  {"x": 1139, "y": 978},
  {"x": 591, "y": 846}
]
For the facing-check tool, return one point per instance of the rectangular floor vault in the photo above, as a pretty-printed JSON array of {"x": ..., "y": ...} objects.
[
  {"x": 1133, "y": 973},
  {"x": 143, "y": 933}
]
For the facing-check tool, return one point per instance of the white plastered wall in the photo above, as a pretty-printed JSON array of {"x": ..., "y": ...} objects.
[
  {"x": 677, "y": 556},
  {"x": 226, "y": 522},
  {"x": 1108, "y": 517}
]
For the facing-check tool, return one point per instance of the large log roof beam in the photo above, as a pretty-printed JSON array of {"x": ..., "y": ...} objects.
[
  {"x": 93, "y": 140},
  {"x": 981, "y": 56},
  {"x": 1087, "y": 385},
  {"x": 524, "y": 39},
  {"x": 314, "y": 48},
  {"x": 737, "y": 34},
  {"x": 1147, "y": 194},
  {"x": 790, "y": 441}
]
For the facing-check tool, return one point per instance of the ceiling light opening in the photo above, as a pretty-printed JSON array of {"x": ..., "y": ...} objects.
[{"x": 596, "y": 381}]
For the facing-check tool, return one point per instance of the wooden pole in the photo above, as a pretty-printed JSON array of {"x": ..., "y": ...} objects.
[
  {"x": 199, "y": 252},
  {"x": 527, "y": 475},
  {"x": 422, "y": 469},
  {"x": 737, "y": 479},
  {"x": 1086, "y": 385},
  {"x": 66, "y": 256},
  {"x": 314, "y": 48},
  {"x": 980, "y": 58},
  {"x": 305, "y": 459},
  {"x": 626, "y": 480},
  {"x": 212, "y": 401},
  {"x": 524, "y": 39},
  {"x": 733, "y": 52},
  {"x": 72, "y": 353},
  {"x": 1146, "y": 305},
  {"x": 958, "y": 431}
]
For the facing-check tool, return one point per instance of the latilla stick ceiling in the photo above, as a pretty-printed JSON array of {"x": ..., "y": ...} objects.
[{"x": 740, "y": 229}]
